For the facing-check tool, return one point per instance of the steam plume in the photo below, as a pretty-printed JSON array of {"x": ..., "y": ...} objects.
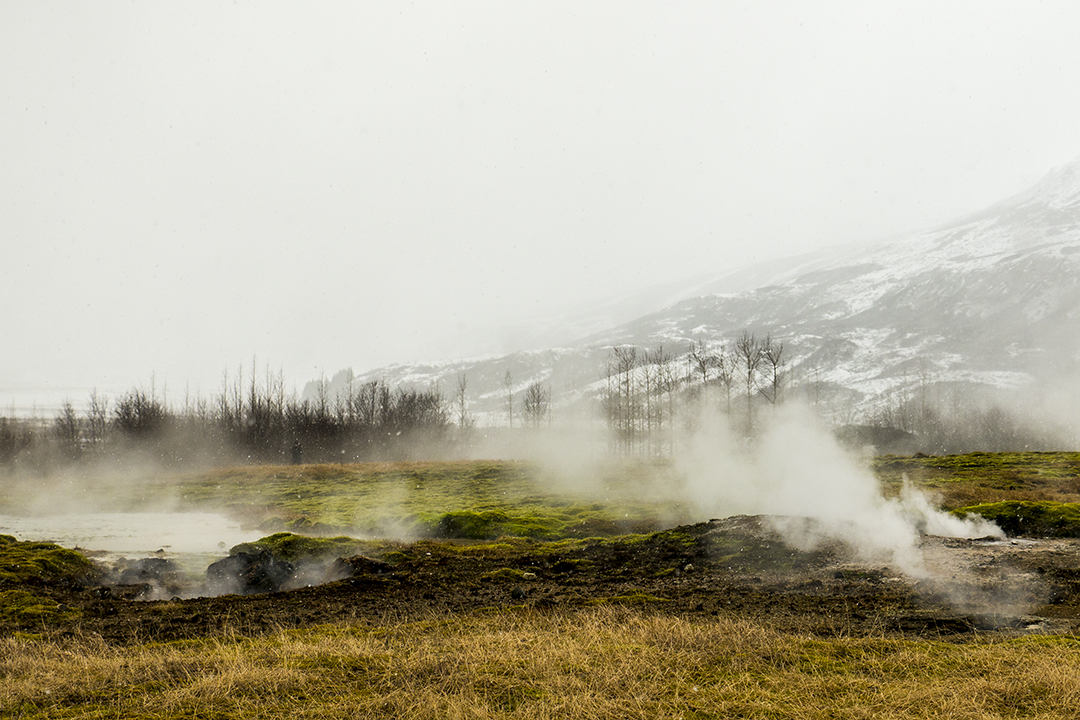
[{"x": 796, "y": 470}]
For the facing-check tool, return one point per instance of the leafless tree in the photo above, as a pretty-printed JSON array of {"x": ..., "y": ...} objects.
[
  {"x": 725, "y": 363},
  {"x": 666, "y": 384},
  {"x": 67, "y": 430},
  {"x": 97, "y": 418},
  {"x": 626, "y": 363},
  {"x": 465, "y": 422},
  {"x": 748, "y": 352},
  {"x": 140, "y": 415},
  {"x": 535, "y": 404},
  {"x": 508, "y": 384},
  {"x": 773, "y": 369},
  {"x": 647, "y": 375},
  {"x": 700, "y": 361}
]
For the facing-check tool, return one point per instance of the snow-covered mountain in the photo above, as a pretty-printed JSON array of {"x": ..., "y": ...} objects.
[{"x": 991, "y": 299}]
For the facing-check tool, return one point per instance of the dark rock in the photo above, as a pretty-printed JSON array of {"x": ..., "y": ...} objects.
[
  {"x": 248, "y": 574},
  {"x": 145, "y": 570}
]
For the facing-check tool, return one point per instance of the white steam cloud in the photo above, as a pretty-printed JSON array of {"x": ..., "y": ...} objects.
[{"x": 796, "y": 470}]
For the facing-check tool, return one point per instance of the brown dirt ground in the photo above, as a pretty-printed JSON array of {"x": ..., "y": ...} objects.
[{"x": 732, "y": 568}]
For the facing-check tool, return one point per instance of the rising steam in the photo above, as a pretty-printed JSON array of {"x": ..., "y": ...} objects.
[{"x": 796, "y": 470}]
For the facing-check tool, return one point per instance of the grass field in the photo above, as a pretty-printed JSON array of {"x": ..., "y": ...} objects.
[
  {"x": 486, "y": 500},
  {"x": 608, "y": 662},
  {"x": 489, "y": 499},
  {"x": 612, "y": 660},
  {"x": 959, "y": 480},
  {"x": 478, "y": 500}
]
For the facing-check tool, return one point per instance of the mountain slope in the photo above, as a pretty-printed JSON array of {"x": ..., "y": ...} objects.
[{"x": 991, "y": 299}]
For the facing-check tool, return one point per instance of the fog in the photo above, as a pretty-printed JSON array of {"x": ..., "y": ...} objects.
[
  {"x": 813, "y": 491},
  {"x": 354, "y": 185},
  {"x": 796, "y": 470}
]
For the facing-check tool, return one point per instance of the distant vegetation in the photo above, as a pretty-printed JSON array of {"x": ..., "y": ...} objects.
[
  {"x": 648, "y": 401},
  {"x": 651, "y": 398},
  {"x": 256, "y": 422}
]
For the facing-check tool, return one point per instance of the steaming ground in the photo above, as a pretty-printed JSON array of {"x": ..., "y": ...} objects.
[
  {"x": 132, "y": 533},
  {"x": 182, "y": 544},
  {"x": 807, "y": 543},
  {"x": 794, "y": 474},
  {"x": 796, "y": 471}
]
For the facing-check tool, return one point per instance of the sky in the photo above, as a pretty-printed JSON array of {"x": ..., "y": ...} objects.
[{"x": 188, "y": 188}]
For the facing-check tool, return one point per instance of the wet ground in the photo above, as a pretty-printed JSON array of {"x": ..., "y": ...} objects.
[{"x": 735, "y": 567}]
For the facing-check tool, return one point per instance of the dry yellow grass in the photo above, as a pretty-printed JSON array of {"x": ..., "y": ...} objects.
[{"x": 599, "y": 663}]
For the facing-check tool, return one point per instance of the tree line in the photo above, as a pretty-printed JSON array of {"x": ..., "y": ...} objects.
[
  {"x": 248, "y": 421},
  {"x": 649, "y": 394},
  {"x": 648, "y": 398}
]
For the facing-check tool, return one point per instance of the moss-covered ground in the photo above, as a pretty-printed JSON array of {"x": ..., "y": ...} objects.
[
  {"x": 961, "y": 480},
  {"x": 1030, "y": 518},
  {"x": 26, "y": 568},
  {"x": 490, "y": 499},
  {"x": 472, "y": 500}
]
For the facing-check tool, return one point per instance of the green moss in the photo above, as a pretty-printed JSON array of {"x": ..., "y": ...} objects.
[
  {"x": 1009, "y": 470},
  {"x": 444, "y": 499},
  {"x": 30, "y": 561},
  {"x": 22, "y": 606},
  {"x": 492, "y": 524},
  {"x": 1030, "y": 518},
  {"x": 292, "y": 547}
]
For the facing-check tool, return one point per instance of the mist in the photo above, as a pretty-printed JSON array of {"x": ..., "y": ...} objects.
[{"x": 796, "y": 470}]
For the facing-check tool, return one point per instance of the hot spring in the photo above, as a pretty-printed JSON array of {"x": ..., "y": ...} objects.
[{"x": 192, "y": 540}]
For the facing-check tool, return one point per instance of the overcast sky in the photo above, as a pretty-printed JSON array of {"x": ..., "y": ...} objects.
[{"x": 186, "y": 186}]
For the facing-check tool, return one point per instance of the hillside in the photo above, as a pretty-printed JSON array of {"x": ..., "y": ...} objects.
[{"x": 989, "y": 301}]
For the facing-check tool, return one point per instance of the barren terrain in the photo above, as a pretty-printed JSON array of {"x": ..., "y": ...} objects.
[{"x": 734, "y": 568}]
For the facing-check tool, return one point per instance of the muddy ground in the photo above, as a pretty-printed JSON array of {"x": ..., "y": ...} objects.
[{"x": 735, "y": 567}]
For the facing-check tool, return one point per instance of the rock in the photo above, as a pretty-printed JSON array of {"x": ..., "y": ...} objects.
[
  {"x": 145, "y": 570},
  {"x": 248, "y": 573}
]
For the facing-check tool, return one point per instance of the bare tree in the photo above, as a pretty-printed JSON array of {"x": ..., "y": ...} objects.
[
  {"x": 611, "y": 401},
  {"x": 140, "y": 415},
  {"x": 773, "y": 364},
  {"x": 97, "y": 416},
  {"x": 508, "y": 383},
  {"x": 626, "y": 363},
  {"x": 667, "y": 386},
  {"x": 647, "y": 374},
  {"x": 535, "y": 404},
  {"x": 465, "y": 422},
  {"x": 748, "y": 352},
  {"x": 699, "y": 361},
  {"x": 725, "y": 363},
  {"x": 66, "y": 428}
]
